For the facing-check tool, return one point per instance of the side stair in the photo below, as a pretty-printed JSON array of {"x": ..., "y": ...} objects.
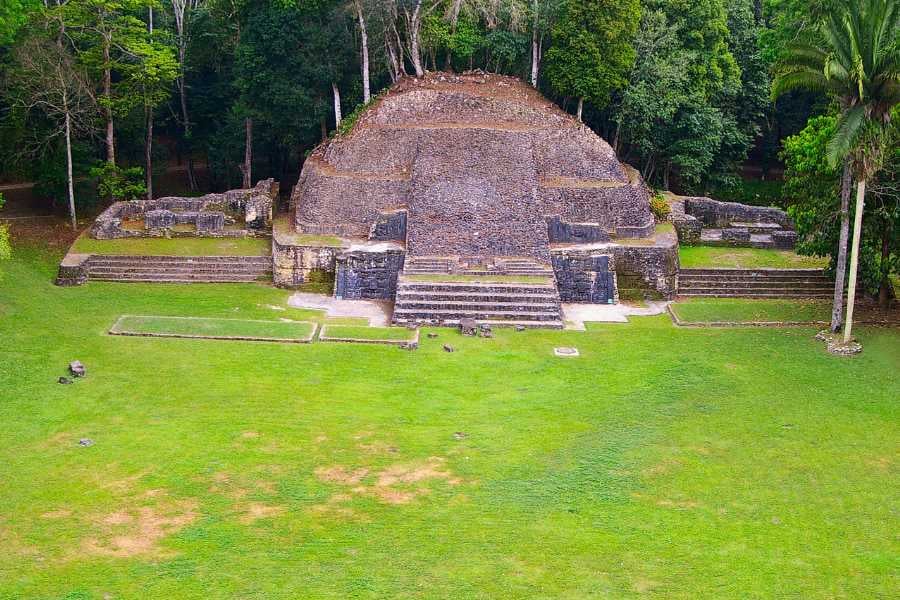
[
  {"x": 179, "y": 269},
  {"x": 755, "y": 283}
]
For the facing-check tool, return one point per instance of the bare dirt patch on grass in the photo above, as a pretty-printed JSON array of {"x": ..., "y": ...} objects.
[
  {"x": 135, "y": 531},
  {"x": 253, "y": 511},
  {"x": 395, "y": 484}
]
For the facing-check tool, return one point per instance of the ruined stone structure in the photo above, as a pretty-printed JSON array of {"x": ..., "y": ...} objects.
[
  {"x": 461, "y": 198},
  {"x": 475, "y": 175},
  {"x": 700, "y": 220},
  {"x": 248, "y": 211}
]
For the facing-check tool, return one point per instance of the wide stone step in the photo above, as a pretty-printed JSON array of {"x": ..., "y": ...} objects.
[
  {"x": 753, "y": 272},
  {"x": 499, "y": 315},
  {"x": 477, "y": 287},
  {"x": 443, "y": 305},
  {"x": 755, "y": 285},
  {"x": 403, "y": 296},
  {"x": 179, "y": 259},
  {"x": 209, "y": 269},
  {"x": 179, "y": 277},
  {"x": 496, "y": 323},
  {"x": 753, "y": 294}
]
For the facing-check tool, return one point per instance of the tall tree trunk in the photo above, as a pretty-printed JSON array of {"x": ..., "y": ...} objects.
[
  {"x": 854, "y": 256},
  {"x": 535, "y": 51},
  {"x": 414, "y": 27},
  {"x": 580, "y": 108},
  {"x": 837, "y": 309},
  {"x": 337, "y": 104},
  {"x": 364, "y": 39},
  {"x": 884, "y": 288},
  {"x": 248, "y": 152},
  {"x": 148, "y": 152},
  {"x": 107, "y": 94},
  {"x": 393, "y": 67},
  {"x": 179, "y": 12},
  {"x": 70, "y": 185}
]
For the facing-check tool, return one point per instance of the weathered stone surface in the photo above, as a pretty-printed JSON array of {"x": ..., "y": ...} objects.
[
  {"x": 76, "y": 368},
  {"x": 784, "y": 240},
  {"x": 64, "y": 381},
  {"x": 210, "y": 221},
  {"x": 585, "y": 276},
  {"x": 563, "y": 232},
  {"x": 479, "y": 161},
  {"x": 448, "y": 348},
  {"x": 367, "y": 275},
  {"x": 712, "y": 213},
  {"x": 73, "y": 270},
  {"x": 159, "y": 219},
  {"x": 85, "y": 442},
  {"x": 390, "y": 226},
  {"x": 688, "y": 229},
  {"x": 468, "y": 327},
  {"x": 738, "y": 235},
  {"x": 293, "y": 264}
]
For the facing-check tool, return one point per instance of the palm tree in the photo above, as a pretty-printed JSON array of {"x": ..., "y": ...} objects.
[{"x": 857, "y": 61}]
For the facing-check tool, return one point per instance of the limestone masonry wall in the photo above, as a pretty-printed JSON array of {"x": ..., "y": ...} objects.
[{"x": 368, "y": 275}]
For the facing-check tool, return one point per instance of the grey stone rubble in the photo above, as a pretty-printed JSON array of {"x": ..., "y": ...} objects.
[{"x": 76, "y": 368}]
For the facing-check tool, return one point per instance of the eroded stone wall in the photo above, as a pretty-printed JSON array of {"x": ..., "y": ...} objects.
[{"x": 368, "y": 275}]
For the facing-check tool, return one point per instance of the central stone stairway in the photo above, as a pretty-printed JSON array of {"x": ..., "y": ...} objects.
[
  {"x": 755, "y": 283},
  {"x": 179, "y": 269},
  {"x": 502, "y": 292}
]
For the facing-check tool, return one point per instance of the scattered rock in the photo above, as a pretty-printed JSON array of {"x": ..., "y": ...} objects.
[
  {"x": 85, "y": 442},
  {"x": 432, "y": 336},
  {"x": 409, "y": 346},
  {"x": 459, "y": 435},
  {"x": 77, "y": 369},
  {"x": 412, "y": 326},
  {"x": 520, "y": 328},
  {"x": 486, "y": 331},
  {"x": 65, "y": 381},
  {"x": 468, "y": 327},
  {"x": 835, "y": 344},
  {"x": 448, "y": 348}
]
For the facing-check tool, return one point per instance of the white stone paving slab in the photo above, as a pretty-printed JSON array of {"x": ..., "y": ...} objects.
[
  {"x": 377, "y": 312},
  {"x": 576, "y": 315}
]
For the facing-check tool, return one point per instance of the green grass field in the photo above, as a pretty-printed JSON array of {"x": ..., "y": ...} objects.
[
  {"x": 693, "y": 257},
  {"x": 213, "y": 328},
  {"x": 367, "y": 333},
  {"x": 664, "y": 462},
  {"x": 187, "y": 246},
  {"x": 744, "y": 310}
]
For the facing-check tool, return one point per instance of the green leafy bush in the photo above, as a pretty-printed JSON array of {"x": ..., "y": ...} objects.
[
  {"x": 660, "y": 207},
  {"x": 118, "y": 183}
]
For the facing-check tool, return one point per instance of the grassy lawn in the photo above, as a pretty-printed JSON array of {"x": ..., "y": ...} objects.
[
  {"x": 693, "y": 257},
  {"x": 450, "y": 278},
  {"x": 367, "y": 333},
  {"x": 213, "y": 328},
  {"x": 683, "y": 463},
  {"x": 744, "y": 310},
  {"x": 175, "y": 246}
]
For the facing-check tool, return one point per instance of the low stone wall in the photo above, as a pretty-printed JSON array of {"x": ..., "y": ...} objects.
[
  {"x": 73, "y": 270},
  {"x": 712, "y": 213},
  {"x": 292, "y": 264},
  {"x": 585, "y": 277},
  {"x": 649, "y": 268},
  {"x": 368, "y": 275}
]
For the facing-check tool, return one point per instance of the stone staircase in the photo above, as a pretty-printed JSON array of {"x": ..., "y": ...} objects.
[
  {"x": 527, "y": 303},
  {"x": 179, "y": 269},
  {"x": 755, "y": 283}
]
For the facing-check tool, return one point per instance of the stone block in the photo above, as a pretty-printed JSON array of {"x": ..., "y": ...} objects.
[
  {"x": 688, "y": 229},
  {"x": 159, "y": 219},
  {"x": 736, "y": 235},
  {"x": 784, "y": 239},
  {"x": 210, "y": 222}
]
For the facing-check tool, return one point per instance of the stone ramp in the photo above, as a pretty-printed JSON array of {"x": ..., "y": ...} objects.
[
  {"x": 178, "y": 269},
  {"x": 755, "y": 283}
]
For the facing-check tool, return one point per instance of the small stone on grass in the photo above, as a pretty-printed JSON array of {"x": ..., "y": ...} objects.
[
  {"x": 565, "y": 352},
  {"x": 448, "y": 348},
  {"x": 77, "y": 369},
  {"x": 85, "y": 442}
]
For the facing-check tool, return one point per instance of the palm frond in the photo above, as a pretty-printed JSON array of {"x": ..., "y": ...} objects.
[{"x": 849, "y": 126}]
